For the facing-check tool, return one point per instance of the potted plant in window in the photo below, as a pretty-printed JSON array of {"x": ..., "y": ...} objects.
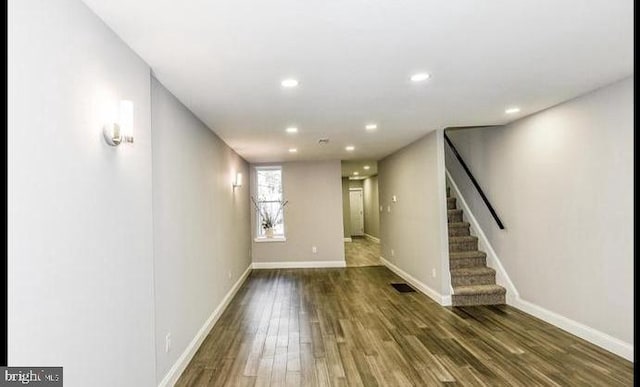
[{"x": 268, "y": 220}]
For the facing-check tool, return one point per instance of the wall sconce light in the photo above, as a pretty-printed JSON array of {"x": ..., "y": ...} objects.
[
  {"x": 238, "y": 180},
  {"x": 116, "y": 133}
]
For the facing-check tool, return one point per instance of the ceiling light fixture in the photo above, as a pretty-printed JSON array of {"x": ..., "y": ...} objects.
[
  {"x": 371, "y": 127},
  {"x": 289, "y": 82},
  {"x": 292, "y": 130},
  {"x": 366, "y": 167},
  {"x": 419, "y": 77},
  {"x": 293, "y": 150},
  {"x": 350, "y": 148},
  {"x": 512, "y": 110}
]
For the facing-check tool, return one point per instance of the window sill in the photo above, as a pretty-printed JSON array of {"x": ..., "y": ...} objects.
[{"x": 274, "y": 239}]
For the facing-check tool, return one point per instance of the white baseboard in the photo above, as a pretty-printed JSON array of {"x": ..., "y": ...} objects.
[
  {"x": 434, "y": 295},
  {"x": 372, "y": 238},
  {"x": 513, "y": 298},
  {"x": 589, "y": 334},
  {"x": 348, "y": 240},
  {"x": 298, "y": 265},
  {"x": 179, "y": 366}
]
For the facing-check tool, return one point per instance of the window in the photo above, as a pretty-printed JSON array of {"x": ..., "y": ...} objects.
[{"x": 269, "y": 199}]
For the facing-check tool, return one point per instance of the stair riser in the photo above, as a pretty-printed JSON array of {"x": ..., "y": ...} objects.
[
  {"x": 467, "y": 262},
  {"x": 478, "y": 299},
  {"x": 451, "y": 203},
  {"x": 448, "y": 191},
  {"x": 459, "y": 231},
  {"x": 454, "y": 217},
  {"x": 455, "y": 247},
  {"x": 468, "y": 280}
]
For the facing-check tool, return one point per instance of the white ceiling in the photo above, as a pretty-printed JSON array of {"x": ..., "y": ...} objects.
[
  {"x": 225, "y": 59},
  {"x": 348, "y": 167}
]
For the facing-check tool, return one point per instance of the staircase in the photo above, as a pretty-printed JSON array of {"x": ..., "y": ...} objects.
[{"x": 473, "y": 282}]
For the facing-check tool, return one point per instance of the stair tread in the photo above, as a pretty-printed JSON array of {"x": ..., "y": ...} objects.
[
  {"x": 467, "y": 254},
  {"x": 466, "y": 271},
  {"x": 459, "y": 224},
  {"x": 478, "y": 289},
  {"x": 457, "y": 210},
  {"x": 462, "y": 238}
]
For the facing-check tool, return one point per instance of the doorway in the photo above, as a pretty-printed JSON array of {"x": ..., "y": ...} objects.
[
  {"x": 356, "y": 206},
  {"x": 360, "y": 213}
]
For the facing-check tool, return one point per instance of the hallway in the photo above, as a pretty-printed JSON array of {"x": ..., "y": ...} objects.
[
  {"x": 362, "y": 252},
  {"x": 182, "y": 178}
]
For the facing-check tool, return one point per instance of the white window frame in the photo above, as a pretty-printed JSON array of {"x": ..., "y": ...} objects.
[{"x": 257, "y": 228}]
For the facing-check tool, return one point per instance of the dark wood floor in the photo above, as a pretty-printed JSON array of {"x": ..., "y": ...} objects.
[
  {"x": 362, "y": 252},
  {"x": 349, "y": 327}
]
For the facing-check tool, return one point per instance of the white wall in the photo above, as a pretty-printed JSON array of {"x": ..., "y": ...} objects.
[
  {"x": 416, "y": 226},
  {"x": 371, "y": 207},
  {"x": 346, "y": 208},
  {"x": 313, "y": 216},
  {"x": 562, "y": 182},
  {"x": 201, "y": 223},
  {"x": 80, "y": 245}
]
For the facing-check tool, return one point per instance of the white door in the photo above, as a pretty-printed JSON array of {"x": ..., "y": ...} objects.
[{"x": 357, "y": 216}]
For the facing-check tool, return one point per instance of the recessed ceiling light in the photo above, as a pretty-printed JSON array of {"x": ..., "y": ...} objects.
[
  {"x": 350, "y": 148},
  {"x": 366, "y": 167},
  {"x": 293, "y": 150},
  {"x": 371, "y": 127},
  {"x": 512, "y": 110},
  {"x": 289, "y": 82},
  {"x": 292, "y": 129},
  {"x": 356, "y": 173},
  {"x": 419, "y": 77}
]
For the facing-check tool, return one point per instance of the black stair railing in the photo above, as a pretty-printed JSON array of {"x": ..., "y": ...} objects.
[{"x": 474, "y": 181}]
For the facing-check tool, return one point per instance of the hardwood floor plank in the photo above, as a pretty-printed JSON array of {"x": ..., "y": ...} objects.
[
  {"x": 362, "y": 252},
  {"x": 349, "y": 327}
]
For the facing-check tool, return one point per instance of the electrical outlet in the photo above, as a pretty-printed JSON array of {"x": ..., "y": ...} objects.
[
  {"x": 381, "y": 208},
  {"x": 388, "y": 208},
  {"x": 393, "y": 253},
  {"x": 167, "y": 343},
  {"x": 433, "y": 272},
  {"x": 314, "y": 249},
  {"x": 229, "y": 274}
]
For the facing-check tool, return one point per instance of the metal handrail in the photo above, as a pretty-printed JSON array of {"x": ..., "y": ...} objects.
[{"x": 475, "y": 182}]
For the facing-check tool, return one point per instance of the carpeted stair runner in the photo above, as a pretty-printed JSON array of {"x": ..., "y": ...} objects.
[{"x": 473, "y": 282}]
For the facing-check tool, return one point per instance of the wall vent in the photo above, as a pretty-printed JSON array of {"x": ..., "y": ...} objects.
[{"x": 323, "y": 141}]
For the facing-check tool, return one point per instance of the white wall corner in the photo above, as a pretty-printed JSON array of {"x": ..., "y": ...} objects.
[
  {"x": 298, "y": 264},
  {"x": 444, "y": 300},
  {"x": 444, "y": 229},
  {"x": 181, "y": 363}
]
